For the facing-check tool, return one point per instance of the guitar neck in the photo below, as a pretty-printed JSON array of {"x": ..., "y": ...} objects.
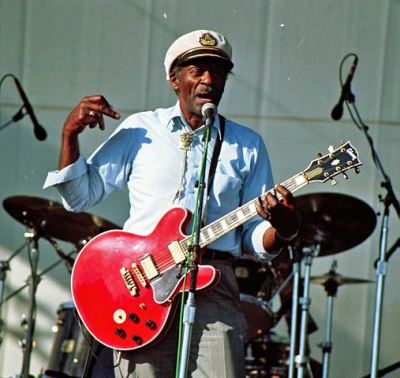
[{"x": 237, "y": 217}]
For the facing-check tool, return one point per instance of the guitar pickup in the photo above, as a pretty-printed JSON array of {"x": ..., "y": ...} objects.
[
  {"x": 177, "y": 252},
  {"x": 129, "y": 281},
  {"x": 149, "y": 266}
]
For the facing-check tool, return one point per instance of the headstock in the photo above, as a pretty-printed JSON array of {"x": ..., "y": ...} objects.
[{"x": 336, "y": 162}]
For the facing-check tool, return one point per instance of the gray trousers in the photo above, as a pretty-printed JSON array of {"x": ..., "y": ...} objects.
[{"x": 217, "y": 342}]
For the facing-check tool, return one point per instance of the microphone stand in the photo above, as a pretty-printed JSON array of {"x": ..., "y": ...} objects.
[
  {"x": 381, "y": 268},
  {"x": 194, "y": 249}
]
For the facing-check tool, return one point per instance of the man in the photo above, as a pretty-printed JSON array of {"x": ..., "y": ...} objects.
[{"x": 158, "y": 156}]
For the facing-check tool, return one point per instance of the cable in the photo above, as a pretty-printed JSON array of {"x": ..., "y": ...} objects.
[
  {"x": 1, "y": 83},
  {"x": 89, "y": 340}
]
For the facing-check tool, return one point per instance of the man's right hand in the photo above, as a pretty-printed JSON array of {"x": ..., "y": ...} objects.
[{"x": 89, "y": 112}]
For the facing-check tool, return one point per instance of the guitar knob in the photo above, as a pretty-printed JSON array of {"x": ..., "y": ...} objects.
[
  {"x": 120, "y": 332},
  {"x": 137, "y": 339},
  {"x": 151, "y": 324},
  {"x": 133, "y": 317}
]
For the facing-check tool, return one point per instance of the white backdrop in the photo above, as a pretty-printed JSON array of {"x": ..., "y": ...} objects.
[{"x": 285, "y": 83}]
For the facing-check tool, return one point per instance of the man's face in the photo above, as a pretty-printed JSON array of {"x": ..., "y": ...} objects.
[{"x": 199, "y": 81}]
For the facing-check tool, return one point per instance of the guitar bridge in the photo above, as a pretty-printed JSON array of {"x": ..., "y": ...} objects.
[
  {"x": 139, "y": 274},
  {"x": 149, "y": 266},
  {"x": 129, "y": 282}
]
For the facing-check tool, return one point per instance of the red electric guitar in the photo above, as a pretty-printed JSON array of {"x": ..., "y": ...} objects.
[{"x": 125, "y": 286}]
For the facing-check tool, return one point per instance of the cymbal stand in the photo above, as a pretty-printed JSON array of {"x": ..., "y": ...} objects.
[
  {"x": 331, "y": 286},
  {"x": 66, "y": 258},
  {"x": 4, "y": 267},
  {"x": 295, "y": 257},
  {"x": 32, "y": 283},
  {"x": 33, "y": 252},
  {"x": 381, "y": 270},
  {"x": 302, "y": 360}
]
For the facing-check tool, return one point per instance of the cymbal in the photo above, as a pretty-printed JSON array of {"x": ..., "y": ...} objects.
[
  {"x": 50, "y": 219},
  {"x": 335, "y": 222},
  {"x": 337, "y": 279}
]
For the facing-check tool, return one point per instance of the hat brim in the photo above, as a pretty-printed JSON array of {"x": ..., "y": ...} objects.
[{"x": 202, "y": 52}]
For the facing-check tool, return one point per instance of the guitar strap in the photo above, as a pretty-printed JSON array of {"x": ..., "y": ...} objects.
[
  {"x": 214, "y": 158},
  {"x": 217, "y": 149}
]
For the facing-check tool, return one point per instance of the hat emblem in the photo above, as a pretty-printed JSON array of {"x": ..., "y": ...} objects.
[{"x": 208, "y": 39}]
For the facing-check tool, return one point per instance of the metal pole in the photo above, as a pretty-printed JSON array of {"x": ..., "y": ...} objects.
[
  {"x": 294, "y": 319},
  {"x": 302, "y": 360},
  {"x": 380, "y": 283}
]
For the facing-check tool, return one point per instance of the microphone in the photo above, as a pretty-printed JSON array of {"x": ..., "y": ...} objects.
[
  {"x": 38, "y": 130},
  {"x": 209, "y": 112},
  {"x": 337, "y": 111}
]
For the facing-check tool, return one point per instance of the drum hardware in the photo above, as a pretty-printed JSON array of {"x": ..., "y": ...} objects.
[
  {"x": 70, "y": 348},
  {"x": 28, "y": 321},
  {"x": 45, "y": 219},
  {"x": 302, "y": 360},
  {"x": 331, "y": 223},
  {"x": 331, "y": 281},
  {"x": 33, "y": 283},
  {"x": 267, "y": 356},
  {"x": 296, "y": 260},
  {"x": 255, "y": 285},
  {"x": 257, "y": 282}
]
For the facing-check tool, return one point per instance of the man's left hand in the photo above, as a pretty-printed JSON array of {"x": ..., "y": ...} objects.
[{"x": 281, "y": 213}]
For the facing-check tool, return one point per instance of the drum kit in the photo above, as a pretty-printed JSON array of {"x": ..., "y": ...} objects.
[{"x": 331, "y": 223}]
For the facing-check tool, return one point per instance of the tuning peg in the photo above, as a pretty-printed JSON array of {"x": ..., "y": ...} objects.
[
  {"x": 319, "y": 155},
  {"x": 342, "y": 142},
  {"x": 333, "y": 182},
  {"x": 345, "y": 176},
  {"x": 331, "y": 149},
  {"x": 357, "y": 170}
]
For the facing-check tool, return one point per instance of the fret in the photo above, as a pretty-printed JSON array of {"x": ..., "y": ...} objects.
[
  {"x": 205, "y": 233},
  {"x": 216, "y": 227},
  {"x": 246, "y": 210}
]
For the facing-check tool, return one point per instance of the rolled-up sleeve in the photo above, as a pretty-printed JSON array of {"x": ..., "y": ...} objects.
[{"x": 73, "y": 184}]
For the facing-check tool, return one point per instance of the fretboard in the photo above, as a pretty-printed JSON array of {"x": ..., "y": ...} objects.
[{"x": 237, "y": 217}]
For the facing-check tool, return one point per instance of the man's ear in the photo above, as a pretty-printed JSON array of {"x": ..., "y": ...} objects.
[{"x": 173, "y": 79}]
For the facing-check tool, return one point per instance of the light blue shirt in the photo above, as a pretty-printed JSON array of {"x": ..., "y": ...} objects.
[{"x": 144, "y": 153}]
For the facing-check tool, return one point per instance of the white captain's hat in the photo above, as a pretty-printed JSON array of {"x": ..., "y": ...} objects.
[{"x": 198, "y": 44}]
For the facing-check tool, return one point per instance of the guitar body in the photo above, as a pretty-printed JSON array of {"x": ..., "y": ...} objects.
[{"x": 126, "y": 306}]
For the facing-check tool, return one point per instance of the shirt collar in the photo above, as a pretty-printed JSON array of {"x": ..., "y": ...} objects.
[{"x": 177, "y": 120}]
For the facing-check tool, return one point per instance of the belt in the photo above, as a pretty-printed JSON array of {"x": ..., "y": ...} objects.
[{"x": 212, "y": 254}]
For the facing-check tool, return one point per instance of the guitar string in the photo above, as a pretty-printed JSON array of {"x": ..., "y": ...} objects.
[{"x": 165, "y": 260}]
